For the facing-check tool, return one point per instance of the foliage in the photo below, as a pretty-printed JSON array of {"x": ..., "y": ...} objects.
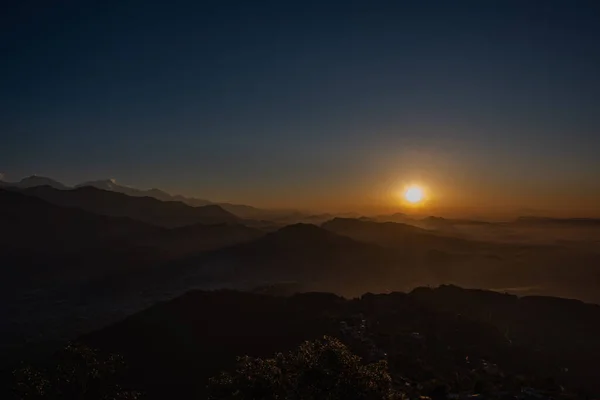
[
  {"x": 321, "y": 369},
  {"x": 79, "y": 373}
]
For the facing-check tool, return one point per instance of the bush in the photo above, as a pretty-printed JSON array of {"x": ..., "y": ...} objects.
[
  {"x": 78, "y": 373},
  {"x": 322, "y": 369}
]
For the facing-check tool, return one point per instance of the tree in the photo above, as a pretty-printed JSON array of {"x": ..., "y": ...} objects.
[
  {"x": 78, "y": 373},
  {"x": 321, "y": 369}
]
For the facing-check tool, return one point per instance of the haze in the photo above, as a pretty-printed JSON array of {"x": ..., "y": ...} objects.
[
  {"x": 341, "y": 200},
  {"x": 307, "y": 105}
]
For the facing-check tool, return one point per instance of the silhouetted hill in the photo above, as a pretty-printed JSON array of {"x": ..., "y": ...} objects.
[
  {"x": 431, "y": 337},
  {"x": 254, "y": 213},
  {"x": 239, "y": 210},
  {"x": 592, "y": 222},
  {"x": 40, "y": 240},
  {"x": 44, "y": 245},
  {"x": 516, "y": 267},
  {"x": 306, "y": 234},
  {"x": 396, "y": 217},
  {"x": 146, "y": 209},
  {"x": 560, "y": 329},
  {"x": 30, "y": 223},
  {"x": 111, "y": 185},
  {"x": 448, "y": 224},
  {"x": 197, "y": 238},
  {"x": 33, "y": 181},
  {"x": 354, "y": 225},
  {"x": 214, "y": 328},
  {"x": 350, "y": 256},
  {"x": 66, "y": 270},
  {"x": 311, "y": 254},
  {"x": 396, "y": 235}
]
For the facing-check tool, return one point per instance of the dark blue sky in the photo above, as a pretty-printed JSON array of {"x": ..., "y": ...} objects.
[{"x": 323, "y": 104}]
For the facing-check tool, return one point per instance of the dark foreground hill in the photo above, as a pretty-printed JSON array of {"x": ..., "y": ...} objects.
[{"x": 466, "y": 341}]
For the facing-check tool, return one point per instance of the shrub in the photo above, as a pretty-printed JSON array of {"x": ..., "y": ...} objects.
[
  {"x": 78, "y": 373},
  {"x": 321, "y": 369}
]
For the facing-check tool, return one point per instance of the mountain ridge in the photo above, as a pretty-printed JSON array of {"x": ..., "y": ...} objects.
[
  {"x": 240, "y": 210},
  {"x": 113, "y": 186},
  {"x": 310, "y": 254},
  {"x": 34, "y": 181},
  {"x": 146, "y": 209}
]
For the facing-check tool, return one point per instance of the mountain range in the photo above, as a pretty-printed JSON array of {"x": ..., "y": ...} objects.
[
  {"x": 308, "y": 251},
  {"x": 240, "y": 210},
  {"x": 33, "y": 181},
  {"x": 103, "y": 254},
  {"x": 146, "y": 209}
]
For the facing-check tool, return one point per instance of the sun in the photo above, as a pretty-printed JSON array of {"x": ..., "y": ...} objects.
[{"x": 414, "y": 194}]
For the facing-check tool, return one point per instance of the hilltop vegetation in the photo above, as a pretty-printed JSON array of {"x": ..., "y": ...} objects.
[{"x": 431, "y": 342}]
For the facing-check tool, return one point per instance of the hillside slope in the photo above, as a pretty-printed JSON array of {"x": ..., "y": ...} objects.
[{"x": 429, "y": 338}]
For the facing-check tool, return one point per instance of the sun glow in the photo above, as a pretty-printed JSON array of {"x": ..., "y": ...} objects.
[{"x": 414, "y": 194}]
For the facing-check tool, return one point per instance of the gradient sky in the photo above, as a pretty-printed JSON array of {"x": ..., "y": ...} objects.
[{"x": 330, "y": 104}]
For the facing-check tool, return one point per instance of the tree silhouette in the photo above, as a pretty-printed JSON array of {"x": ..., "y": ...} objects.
[
  {"x": 79, "y": 373},
  {"x": 321, "y": 369}
]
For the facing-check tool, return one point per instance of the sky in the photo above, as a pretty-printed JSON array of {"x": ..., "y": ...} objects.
[{"x": 489, "y": 105}]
